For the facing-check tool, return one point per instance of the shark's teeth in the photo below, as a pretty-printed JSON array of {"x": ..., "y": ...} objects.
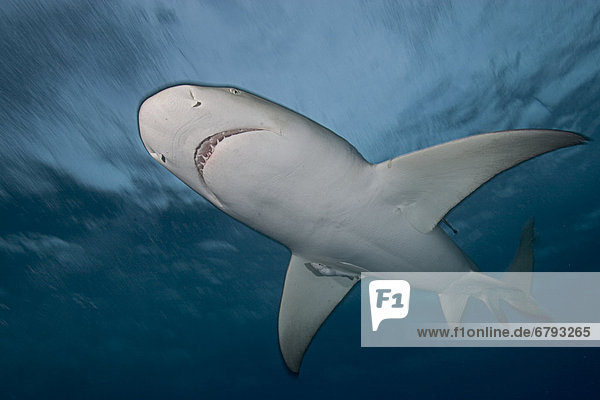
[{"x": 207, "y": 147}]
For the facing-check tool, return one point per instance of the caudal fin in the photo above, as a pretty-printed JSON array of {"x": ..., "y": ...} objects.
[{"x": 514, "y": 288}]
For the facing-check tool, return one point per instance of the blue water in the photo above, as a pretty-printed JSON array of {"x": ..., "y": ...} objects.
[{"x": 117, "y": 281}]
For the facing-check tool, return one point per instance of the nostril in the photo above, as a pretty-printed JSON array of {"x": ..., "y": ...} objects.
[
  {"x": 158, "y": 156},
  {"x": 193, "y": 98}
]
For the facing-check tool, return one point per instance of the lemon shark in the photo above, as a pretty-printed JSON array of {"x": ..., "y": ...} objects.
[{"x": 299, "y": 183}]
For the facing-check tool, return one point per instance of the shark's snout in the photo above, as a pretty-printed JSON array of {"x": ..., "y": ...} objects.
[
  {"x": 159, "y": 117},
  {"x": 148, "y": 124}
]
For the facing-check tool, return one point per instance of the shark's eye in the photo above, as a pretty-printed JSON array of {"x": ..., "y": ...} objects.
[{"x": 234, "y": 91}]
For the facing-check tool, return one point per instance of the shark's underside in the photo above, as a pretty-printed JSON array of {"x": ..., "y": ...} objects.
[{"x": 299, "y": 183}]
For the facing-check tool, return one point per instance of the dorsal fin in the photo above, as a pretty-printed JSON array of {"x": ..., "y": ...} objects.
[
  {"x": 523, "y": 261},
  {"x": 307, "y": 301},
  {"x": 428, "y": 183}
]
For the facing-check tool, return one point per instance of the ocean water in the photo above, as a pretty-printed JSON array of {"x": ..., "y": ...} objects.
[{"x": 118, "y": 281}]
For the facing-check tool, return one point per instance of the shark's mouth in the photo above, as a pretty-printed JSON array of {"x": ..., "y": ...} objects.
[{"x": 207, "y": 147}]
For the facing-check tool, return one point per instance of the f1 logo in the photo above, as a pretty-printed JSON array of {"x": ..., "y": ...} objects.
[{"x": 389, "y": 300}]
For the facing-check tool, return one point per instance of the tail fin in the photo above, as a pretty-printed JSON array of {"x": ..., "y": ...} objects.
[{"x": 514, "y": 289}]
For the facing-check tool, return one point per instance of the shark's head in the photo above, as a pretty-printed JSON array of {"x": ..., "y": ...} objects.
[
  {"x": 182, "y": 127},
  {"x": 237, "y": 149}
]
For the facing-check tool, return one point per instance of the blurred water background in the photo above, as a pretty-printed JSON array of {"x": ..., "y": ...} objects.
[{"x": 117, "y": 281}]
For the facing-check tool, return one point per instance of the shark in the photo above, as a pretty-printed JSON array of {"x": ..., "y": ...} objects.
[{"x": 299, "y": 183}]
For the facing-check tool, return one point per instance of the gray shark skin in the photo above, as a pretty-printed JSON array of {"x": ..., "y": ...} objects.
[{"x": 306, "y": 187}]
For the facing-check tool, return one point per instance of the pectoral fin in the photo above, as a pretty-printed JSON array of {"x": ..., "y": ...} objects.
[
  {"x": 307, "y": 301},
  {"x": 428, "y": 183}
]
